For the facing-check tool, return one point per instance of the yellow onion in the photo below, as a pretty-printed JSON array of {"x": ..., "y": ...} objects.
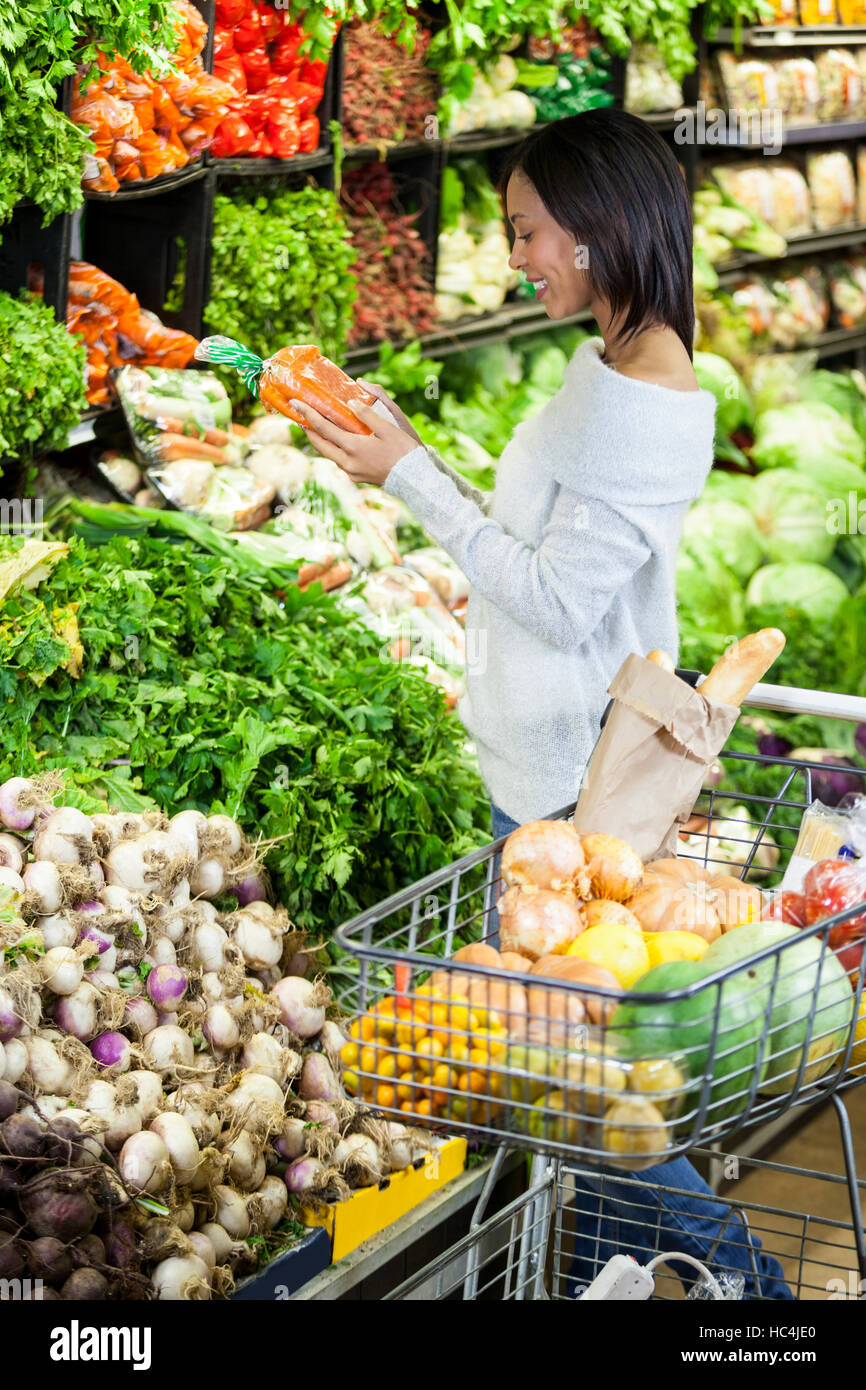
[
  {"x": 538, "y": 922},
  {"x": 614, "y": 868},
  {"x": 605, "y": 912},
  {"x": 545, "y": 854},
  {"x": 665, "y": 903},
  {"x": 735, "y": 902}
]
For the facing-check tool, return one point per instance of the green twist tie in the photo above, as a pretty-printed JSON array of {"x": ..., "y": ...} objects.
[{"x": 227, "y": 353}]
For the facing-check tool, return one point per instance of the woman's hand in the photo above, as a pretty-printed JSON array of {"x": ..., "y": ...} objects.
[
  {"x": 366, "y": 458},
  {"x": 382, "y": 395}
]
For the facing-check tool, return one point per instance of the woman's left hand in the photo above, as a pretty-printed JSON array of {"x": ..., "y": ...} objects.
[{"x": 366, "y": 458}]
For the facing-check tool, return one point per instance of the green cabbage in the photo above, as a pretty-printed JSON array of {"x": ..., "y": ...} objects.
[
  {"x": 791, "y": 514},
  {"x": 734, "y": 404},
  {"x": 796, "y": 588},
  {"x": 709, "y": 596},
  {"x": 807, "y": 435},
  {"x": 545, "y": 367},
  {"x": 839, "y": 390},
  {"x": 728, "y": 531},
  {"x": 733, "y": 487}
]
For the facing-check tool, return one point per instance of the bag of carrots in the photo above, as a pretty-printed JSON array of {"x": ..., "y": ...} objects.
[{"x": 299, "y": 372}]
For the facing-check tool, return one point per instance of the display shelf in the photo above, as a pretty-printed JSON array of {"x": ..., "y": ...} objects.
[
  {"x": 150, "y": 188},
  {"x": 791, "y": 36},
  {"x": 812, "y": 244},
  {"x": 835, "y": 342},
  {"x": 511, "y": 321},
  {"x": 819, "y": 133},
  {"x": 246, "y": 166},
  {"x": 90, "y": 426}
]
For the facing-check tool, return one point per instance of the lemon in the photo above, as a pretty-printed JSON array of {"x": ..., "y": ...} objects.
[
  {"x": 857, "y": 1061},
  {"x": 617, "y": 948},
  {"x": 663, "y": 946}
]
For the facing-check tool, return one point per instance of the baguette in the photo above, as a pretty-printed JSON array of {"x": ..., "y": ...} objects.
[
  {"x": 659, "y": 658},
  {"x": 742, "y": 666}
]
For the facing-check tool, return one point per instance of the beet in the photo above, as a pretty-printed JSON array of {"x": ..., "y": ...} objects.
[
  {"x": 8, "y": 1099},
  {"x": 10, "y": 1179},
  {"x": 62, "y": 1140},
  {"x": 21, "y": 1136},
  {"x": 58, "y": 1204},
  {"x": 49, "y": 1259},
  {"x": 44, "y": 1295},
  {"x": 87, "y": 1251},
  {"x": 85, "y": 1285},
  {"x": 11, "y": 1259},
  {"x": 120, "y": 1246}
]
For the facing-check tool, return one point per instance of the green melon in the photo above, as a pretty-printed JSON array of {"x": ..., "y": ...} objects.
[{"x": 806, "y": 988}]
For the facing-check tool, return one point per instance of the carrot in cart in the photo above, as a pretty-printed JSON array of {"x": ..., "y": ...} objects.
[{"x": 298, "y": 372}]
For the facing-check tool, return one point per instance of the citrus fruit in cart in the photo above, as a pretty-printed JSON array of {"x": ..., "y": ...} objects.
[
  {"x": 807, "y": 993},
  {"x": 719, "y": 1037},
  {"x": 635, "y": 1134},
  {"x": 614, "y": 947},
  {"x": 666, "y": 946}
]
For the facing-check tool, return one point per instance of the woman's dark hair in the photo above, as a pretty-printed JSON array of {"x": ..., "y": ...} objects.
[{"x": 610, "y": 179}]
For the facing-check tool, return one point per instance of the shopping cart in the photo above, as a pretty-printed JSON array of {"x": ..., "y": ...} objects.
[{"x": 549, "y": 1243}]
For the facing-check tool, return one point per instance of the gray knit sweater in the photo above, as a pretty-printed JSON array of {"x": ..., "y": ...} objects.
[{"x": 571, "y": 561}]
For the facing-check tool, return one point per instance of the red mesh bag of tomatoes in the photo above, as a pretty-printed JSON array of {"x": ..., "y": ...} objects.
[{"x": 832, "y": 886}]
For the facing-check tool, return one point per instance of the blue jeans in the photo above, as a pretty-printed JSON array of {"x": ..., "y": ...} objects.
[{"x": 629, "y": 1214}]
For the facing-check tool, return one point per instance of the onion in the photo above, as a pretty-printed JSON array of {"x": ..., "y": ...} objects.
[
  {"x": 16, "y": 1060},
  {"x": 176, "y": 1133},
  {"x": 273, "y": 1200},
  {"x": 203, "y": 1248},
  {"x": 538, "y": 922},
  {"x": 613, "y": 866},
  {"x": 65, "y": 837},
  {"x": 605, "y": 912},
  {"x": 265, "y": 1054},
  {"x": 42, "y": 881},
  {"x": 149, "y": 1098},
  {"x": 51, "y": 1073},
  {"x": 140, "y": 1016},
  {"x": 18, "y": 803},
  {"x": 166, "y": 987},
  {"x": 208, "y": 878},
  {"x": 182, "y": 1278},
  {"x": 300, "y": 1009},
  {"x": 207, "y": 946},
  {"x": 57, "y": 930},
  {"x": 76, "y": 1013},
  {"x": 111, "y": 1050},
  {"x": 666, "y": 903},
  {"x": 232, "y": 1212},
  {"x": 144, "y": 1163},
  {"x": 168, "y": 1046},
  {"x": 546, "y": 854},
  {"x": 219, "y": 1238},
  {"x": 12, "y": 853},
  {"x": 318, "y": 1080},
  {"x": 220, "y": 1027},
  {"x": 121, "y": 1120}
]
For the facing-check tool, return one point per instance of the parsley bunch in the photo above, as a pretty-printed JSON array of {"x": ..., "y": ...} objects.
[{"x": 41, "y": 379}]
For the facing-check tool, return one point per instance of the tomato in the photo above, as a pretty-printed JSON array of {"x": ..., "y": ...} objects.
[
  {"x": 257, "y": 68},
  {"x": 787, "y": 907},
  {"x": 248, "y": 34},
  {"x": 309, "y": 134},
  {"x": 831, "y": 886},
  {"x": 233, "y": 137},
  {"x": 231, "y": 12}
]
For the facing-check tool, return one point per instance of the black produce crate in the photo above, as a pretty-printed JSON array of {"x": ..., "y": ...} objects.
[
  {"x": 137, "y": 240},
  {"x": 288, "y": 1272},
  {"x": 27, "y": 245}
]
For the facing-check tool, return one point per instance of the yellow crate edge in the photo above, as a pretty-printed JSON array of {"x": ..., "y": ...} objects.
[{"x": 371, "y": 1209}]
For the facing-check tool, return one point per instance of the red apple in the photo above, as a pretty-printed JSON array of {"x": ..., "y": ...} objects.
[{"x": 832, "y": 886}]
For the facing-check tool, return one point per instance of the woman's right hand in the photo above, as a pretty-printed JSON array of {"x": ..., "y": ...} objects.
[{"x": 402, "y": 420}]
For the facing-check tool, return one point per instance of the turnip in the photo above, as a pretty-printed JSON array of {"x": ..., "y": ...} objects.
[
  {"x": 359, "y": 1157},
  {"x": 16, "y": 1060},
  {"x": 144, "y": 1163},
  {"x": 306, "y": 1175},
  {"x": 167, "y": 1047},
  {"x": 208, "y": 879},
  {"x": 269, "y": 1203},
  {"x": 139, "y": 1016},
  {"x": 203, "y": 1248},
  {"x": 197, "y": 1103},
  {"x": 173, "y": 929},
  {"x": 182, "y": 1278},
  {"x": 76, "y": 1013},
  {"x": 256, "y": 1101},
  {"x": 176, "y": 1133},
  {"x": 18, "y": 803},
  {"x": 162, "y": 952},
  {"x": 319, "y": 1112},
  {"x": 299, "y": 964},
  {"x": 183, "y": 831},
  {"x": 111, "y": 1050},
  {"x": 318, "y": 1079},
  {"x": 62, "y": 970},
  {"x": 291, "y": 1142},
  {"x": 88, "y": 1148},
  {"x": 333, "y": 1040},
  {"x": 221, "y": 836},
  {"x": 13, "y": 853},
  {"x": 263, "y": 1053},
  {"x": 57, "y": 930},
  {"x": 148, "y": 1096},
  {"x": 207, "y": 946},
  {"x": 220, "y": 1028},
  {"x": 148, "y": 864},
  {"x": 166, "y": 1020},
  {"x": 120, "y": 1120},
  {"x": 51, "y": 1073},
  {"x": 65, "y": 837},
  {"x": 99, "y": 943},
  {"x": 250, "y": 889},
  {"x": 260, "y": 943},
  {"x": 302, "y": 1005},
  {"x": 184, "y": 1216},
  {"x": 102, "y": 979},
  {"x": 231, "y": 1212},
  {"x": 246, "y": 1162},
  {"x": 11, "y": 1021},
  {"x": 221, "y": 1241},
  {"x": 166, "y": 986},
  {"x": 9, "y": 879},
  {"x": 44, "y": 888}
]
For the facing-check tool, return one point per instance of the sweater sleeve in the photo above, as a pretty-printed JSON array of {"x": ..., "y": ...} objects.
[
  {"x": 559, "y": 591},
  {"x": 464, "y": 487}
]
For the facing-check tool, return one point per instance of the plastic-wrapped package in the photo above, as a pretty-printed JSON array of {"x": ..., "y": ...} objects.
[
  {"x": 230, "y": 498},
  {"x": 817, "y": 12},
  {"x": 755, "y": 299},
  {"x": 841, "y": 84},
  {"x": 178, "y": 414},
  {"x": 861, "y": 184},
  {"x": 122, "y": 474},
  {"x": 799, "y": 88},
  {"x": 440, "y": 571},
  {"x": 331, "y": 495},
  {"x": 832, "y": 189},
  {"x": 802, "y": 307},
  {"x": 751, "y": 185},
  {"x": 847, "y": 282},
  {"x": 792, "y": 209},
  {"x": 749, "y": 82},
  {"x": 402, "y": 608},
  {"x": 648, "y": 84},
  {"x": 732, "y": 1287}
]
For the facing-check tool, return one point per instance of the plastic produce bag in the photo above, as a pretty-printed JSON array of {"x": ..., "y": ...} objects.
[
  {"x": 230, "y": 498},
  {"x": 176, "y": 414},
  {"x": 847, "y": 283},
  {"x": 841, "y": 84},
  {"x": 832, "y": 189}
]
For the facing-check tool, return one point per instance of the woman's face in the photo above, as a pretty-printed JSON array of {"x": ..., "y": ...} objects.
[{"x": 546, "y": 253}]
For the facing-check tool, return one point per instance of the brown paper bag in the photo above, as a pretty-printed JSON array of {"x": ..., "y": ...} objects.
[{"x": 648, "y": 766}]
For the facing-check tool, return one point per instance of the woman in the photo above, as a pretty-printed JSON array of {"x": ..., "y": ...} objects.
[{"x": 571, "y": 560}]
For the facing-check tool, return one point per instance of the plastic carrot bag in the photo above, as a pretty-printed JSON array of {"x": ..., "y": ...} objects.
[{"x": 294, "y": 373}]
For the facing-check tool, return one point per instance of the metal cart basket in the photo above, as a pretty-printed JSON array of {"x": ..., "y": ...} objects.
[{"x": 562, "y": 1066}]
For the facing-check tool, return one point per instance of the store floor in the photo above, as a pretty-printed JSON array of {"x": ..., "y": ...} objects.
[{"x": 804, "y": 1221}]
